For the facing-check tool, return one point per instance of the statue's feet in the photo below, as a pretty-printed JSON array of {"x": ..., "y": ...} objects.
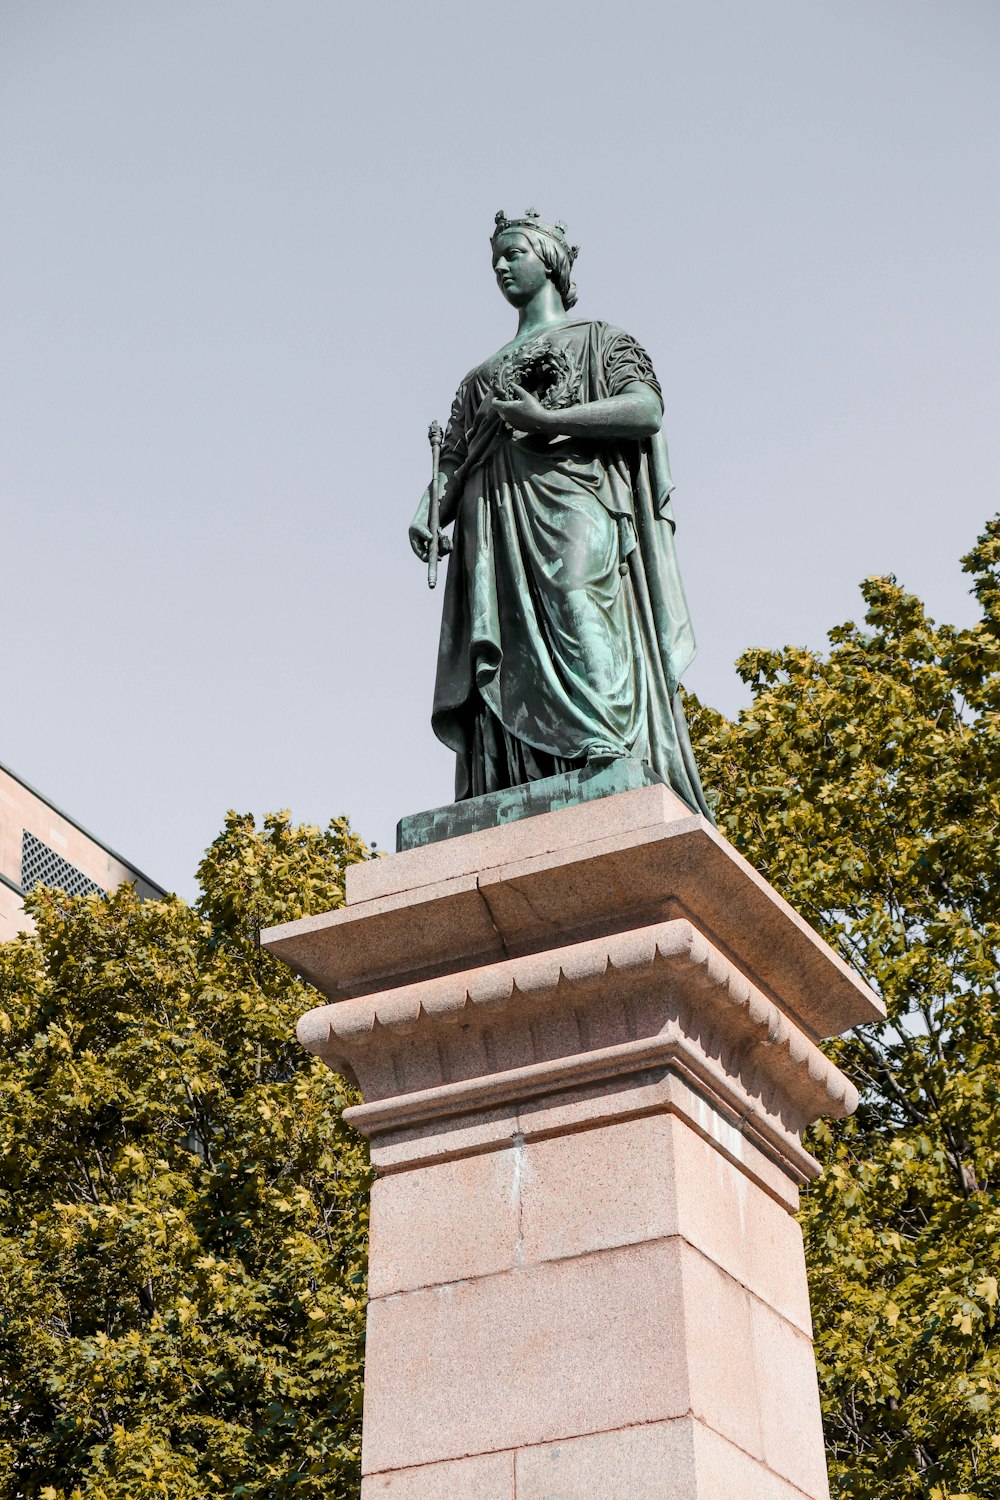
[{"x": 607, "y": 755}]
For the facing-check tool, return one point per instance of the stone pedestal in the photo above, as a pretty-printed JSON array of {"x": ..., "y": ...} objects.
[{"x": 587, "y": 1048}]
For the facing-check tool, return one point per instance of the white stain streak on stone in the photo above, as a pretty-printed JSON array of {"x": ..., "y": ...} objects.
[
  {"x": 720, "y": 1130},
  {"x": 520, "y": 1167}
]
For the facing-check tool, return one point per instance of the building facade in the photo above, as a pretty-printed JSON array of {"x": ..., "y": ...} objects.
[{"x": 41, "y": 845}]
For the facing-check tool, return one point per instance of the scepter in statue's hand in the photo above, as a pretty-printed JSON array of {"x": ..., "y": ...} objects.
[{"x": 434, "y": 513}]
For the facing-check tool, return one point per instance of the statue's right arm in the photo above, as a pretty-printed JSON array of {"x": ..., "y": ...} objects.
[
  {"x": 465, "y": 417},
  {"x": 420, "y": 532}
]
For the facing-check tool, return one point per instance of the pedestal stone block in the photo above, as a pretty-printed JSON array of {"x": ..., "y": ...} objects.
[{"x": 586, "y": 1044}]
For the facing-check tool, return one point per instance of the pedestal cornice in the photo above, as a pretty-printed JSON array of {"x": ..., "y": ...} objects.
[
  {"x": 650, "y": 1001},
  {"x": 620, "y": 953}
]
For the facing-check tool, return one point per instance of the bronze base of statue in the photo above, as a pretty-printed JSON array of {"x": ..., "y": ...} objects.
[{"x": 527, "y": 801}]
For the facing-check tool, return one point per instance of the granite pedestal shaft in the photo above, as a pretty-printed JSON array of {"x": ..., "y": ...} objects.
[{"x": 587, "y": 1046}]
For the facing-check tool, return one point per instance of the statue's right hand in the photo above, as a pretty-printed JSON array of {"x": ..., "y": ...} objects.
[
  {"x": 420, "y": 540},
  {"x": 420, "y": 532}
]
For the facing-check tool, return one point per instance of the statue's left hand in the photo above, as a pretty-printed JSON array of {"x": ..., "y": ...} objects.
[{"x": 526, "y": 414}]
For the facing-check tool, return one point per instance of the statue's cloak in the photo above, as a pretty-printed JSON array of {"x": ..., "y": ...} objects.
[{"x": 565, "y": 630}]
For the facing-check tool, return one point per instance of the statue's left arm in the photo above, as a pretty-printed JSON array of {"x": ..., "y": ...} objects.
[
  {"x": 627, "y": 402},
  {"x": 635, "y": 412}
]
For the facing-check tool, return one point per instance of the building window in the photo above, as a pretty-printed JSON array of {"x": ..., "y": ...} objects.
[{"x": 41, "y": 865}]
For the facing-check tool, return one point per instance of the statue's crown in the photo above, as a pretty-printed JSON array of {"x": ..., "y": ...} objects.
[{"x": 531, "y": 219}]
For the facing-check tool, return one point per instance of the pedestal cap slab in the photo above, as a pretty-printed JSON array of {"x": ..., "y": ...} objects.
[{"x": 621, "y": 862}]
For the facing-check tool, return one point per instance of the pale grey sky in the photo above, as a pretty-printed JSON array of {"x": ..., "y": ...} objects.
[{"x": 245, "y": 260}]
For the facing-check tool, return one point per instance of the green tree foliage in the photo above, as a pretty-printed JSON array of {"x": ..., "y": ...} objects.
[
  {"x": 865, "y": 783},
  {"x": 182, "y": 1212}
]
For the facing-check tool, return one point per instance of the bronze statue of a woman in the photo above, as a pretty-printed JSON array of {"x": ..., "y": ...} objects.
[{"x": 565, "y": 629}]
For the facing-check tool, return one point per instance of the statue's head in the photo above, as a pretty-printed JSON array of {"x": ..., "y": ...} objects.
[{"x": 546, "y": 242}]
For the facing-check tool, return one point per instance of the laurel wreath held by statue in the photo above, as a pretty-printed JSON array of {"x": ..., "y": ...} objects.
[{"x": 549, "y": 372}]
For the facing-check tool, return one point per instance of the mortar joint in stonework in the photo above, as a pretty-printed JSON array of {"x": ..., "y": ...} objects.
[{"x": 493, "y": 920}]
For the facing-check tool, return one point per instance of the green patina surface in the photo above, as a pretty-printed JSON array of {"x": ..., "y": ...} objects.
[
  {"x": 564, "y": 630},
  {"x": 526, "y": 801}
]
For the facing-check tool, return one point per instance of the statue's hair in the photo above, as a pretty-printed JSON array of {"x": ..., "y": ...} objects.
[{"x": 555, "y": 257}]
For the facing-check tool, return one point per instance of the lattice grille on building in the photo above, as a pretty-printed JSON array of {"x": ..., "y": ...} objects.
[{"x": 41, "y": 865}]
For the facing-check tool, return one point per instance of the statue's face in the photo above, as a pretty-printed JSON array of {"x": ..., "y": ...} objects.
[{"x": 518, "y": 270}]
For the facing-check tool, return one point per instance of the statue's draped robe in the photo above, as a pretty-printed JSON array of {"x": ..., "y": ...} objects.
[{"x": 565, "y": 630}]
